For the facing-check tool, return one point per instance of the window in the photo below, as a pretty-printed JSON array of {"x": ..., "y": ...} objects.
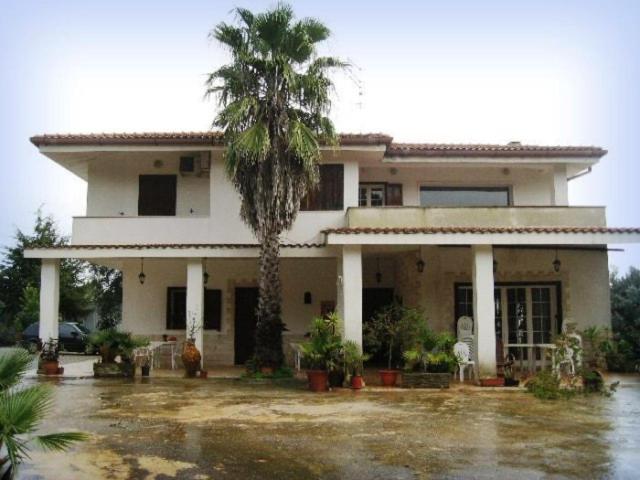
[
  {"x": 329, "y": 193},
  {"x": 157, "y": 195},
  {"x": 464, "y": 196},
  {"x": 379, "y": 194},
  {"x": 371, "y": 195},
  {"x": 524, "y": 313},
  {"x": 177, "y": 308}
]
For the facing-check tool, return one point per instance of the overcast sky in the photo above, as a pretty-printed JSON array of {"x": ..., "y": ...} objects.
[{"x": 542, "y": 72}]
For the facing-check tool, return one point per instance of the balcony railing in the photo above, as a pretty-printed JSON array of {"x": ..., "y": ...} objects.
[{"x": 417, "y": 217}]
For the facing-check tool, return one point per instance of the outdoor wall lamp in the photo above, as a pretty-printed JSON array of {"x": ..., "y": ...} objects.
[
  {"x": 378, "y": 273},
  {"x": 557, "y": 263},
  {"x": 141, "y": 276},
  {"x": 420, "y": 265},
  {"x": 307, "y": 298},
  {"x": 205, "y": 275}
]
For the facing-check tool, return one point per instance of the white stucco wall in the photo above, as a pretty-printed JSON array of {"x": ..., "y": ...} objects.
[
  {"x": 144, "y": 306},
  {"x": 529, "y": 185},
  {"x": 113, "y": 185},
  {"x": 113, "y": 188}
]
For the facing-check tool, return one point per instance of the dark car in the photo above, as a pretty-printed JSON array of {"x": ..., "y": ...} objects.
[{"x": 72, "y": 337}]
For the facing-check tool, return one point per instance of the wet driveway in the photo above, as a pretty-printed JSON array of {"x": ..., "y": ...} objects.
[{"x": 229, "y": 429}]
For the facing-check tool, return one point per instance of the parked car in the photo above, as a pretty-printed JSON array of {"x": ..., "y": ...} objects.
[{"x": 72, "y": 336}]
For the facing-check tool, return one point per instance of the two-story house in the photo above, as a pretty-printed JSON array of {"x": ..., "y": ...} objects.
[{"x": 479, "y": 230}]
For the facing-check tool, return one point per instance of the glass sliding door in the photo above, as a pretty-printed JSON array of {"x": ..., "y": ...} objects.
[{"x": 524, "y": 313}]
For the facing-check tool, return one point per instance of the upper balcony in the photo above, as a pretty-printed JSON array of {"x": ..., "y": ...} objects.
[{"x": 417, "y": 217}]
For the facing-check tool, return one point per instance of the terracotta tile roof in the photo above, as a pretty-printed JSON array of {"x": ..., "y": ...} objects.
[
  {"x": 513, "y": 149},
  {"x": 481, "y": 230},
  {"x": 177, "y": 138},
  {"x": 182, "y": 246},
  {"x": 211, "y": 138}
]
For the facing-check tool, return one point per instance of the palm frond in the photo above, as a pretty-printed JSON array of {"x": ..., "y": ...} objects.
[
  {"x": 13, "y": 365},
  {"x": 59, "y": 441},
  {"x": 24, "y": 409}
]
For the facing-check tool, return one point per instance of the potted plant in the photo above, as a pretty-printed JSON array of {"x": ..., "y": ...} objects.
[
  {"x": 191, "y": 356},
  {"x": 430, "y": 363},
  {"x": 49, "y": 357},
  {"x": 144, "y": 357},
  {"x": 322, "y": 352},
  {"x": 354, "y": 360},
  {"x": 116, "y": 350},
  {"x": 509, "y": 379},
  {"x": 389, "y": 332}
]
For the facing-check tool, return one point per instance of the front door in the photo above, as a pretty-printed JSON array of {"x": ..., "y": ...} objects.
[
  {"x": 245, "y": 323},
  {"x": 373, "y": 299}
]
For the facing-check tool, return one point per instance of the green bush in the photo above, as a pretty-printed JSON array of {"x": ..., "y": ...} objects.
[
  {"x": 546, "y": 386},
  {"x": 111, "y": 343},
  {"x": 323, "y": 351}
]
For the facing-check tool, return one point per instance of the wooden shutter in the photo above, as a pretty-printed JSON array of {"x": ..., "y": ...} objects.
[
  {"x": 176, "y": 308},
  {"x": 329, "y": 194},
  {"x": 394, "y": 194},
  {"x": 212, "y": 309},
  {"x": 157, "y": 195}
]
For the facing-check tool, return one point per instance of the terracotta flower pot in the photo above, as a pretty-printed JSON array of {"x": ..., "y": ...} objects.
[
  {"x": 356, "y": 382},
  {"x": 388, "y": 378},
  {"x": 204, "y": 374},
  {"x": 266, "y": 370},
  {"x": 317, "y": 380},
  {"x": 191, "y": 359},
  {"x": 492, "y": 382},
  {"x": 50, "y": 367}
]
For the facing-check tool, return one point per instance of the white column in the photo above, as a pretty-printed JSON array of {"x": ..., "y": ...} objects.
[
  {"x": 49, "y": 298},
  {"x": 195, "y": 300},
  {"x": 484, "y": 310},
  {"x": 352, "y": 292},
  {"x": 559, "y": 186},
  {"x": 339, "y": 290}
]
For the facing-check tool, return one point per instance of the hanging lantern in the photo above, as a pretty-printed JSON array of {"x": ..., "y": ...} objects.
[
  {"x": 420, "y": 265},
  {"x": 205, "y": 275},
  {"x": 557, "y": 263},
  {"x": 141, "y": 276},
  {"x": 378, "y": 273}
]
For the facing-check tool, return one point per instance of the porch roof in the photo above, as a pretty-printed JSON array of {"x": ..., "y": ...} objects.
[
  {"x": 221, "y": 250},
  {"x": 460, "y": 235}
]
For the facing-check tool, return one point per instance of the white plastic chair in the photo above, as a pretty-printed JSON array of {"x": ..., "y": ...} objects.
[
  {"x": 463, "y": 354},
  {"x": 465, "y": 333}
]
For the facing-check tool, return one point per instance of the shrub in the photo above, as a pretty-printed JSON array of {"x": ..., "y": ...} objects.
[
  {"x": 546, "y": 386},
  {"x": 323, "y": 351},
  {"x": 393, "y": 330},
  {"x": 112, "y": 343}
]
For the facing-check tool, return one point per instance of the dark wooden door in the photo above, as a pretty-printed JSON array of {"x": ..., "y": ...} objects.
[
  {"x": 157, "y": 195},
  {"x": 373, "y": 299},
  {"x": 245, "y": 323}
]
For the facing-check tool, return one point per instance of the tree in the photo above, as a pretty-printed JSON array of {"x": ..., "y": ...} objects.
[
  {"x": 274, "y": 99},
  {"x": 21, "y": 410},
  {"x": 107, "y": 285},
  {"x": 30, "y": 311},
  {"x": 625, "y": 320},
  {"x": 18, "y": 273}
]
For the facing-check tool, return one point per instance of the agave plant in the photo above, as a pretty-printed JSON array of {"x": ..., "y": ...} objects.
[{"x": 21, "y": 410}]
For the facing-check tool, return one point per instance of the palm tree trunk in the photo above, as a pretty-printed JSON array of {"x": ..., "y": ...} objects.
[{"x": 269, "y": 327}]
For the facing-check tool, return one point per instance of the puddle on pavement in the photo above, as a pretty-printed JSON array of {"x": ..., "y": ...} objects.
[{"x": 171, "y": 428}]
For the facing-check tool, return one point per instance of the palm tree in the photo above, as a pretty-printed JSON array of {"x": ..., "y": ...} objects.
[
  {"x": 274, "y": 99},
  {"x": 21, "y": 410}
]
